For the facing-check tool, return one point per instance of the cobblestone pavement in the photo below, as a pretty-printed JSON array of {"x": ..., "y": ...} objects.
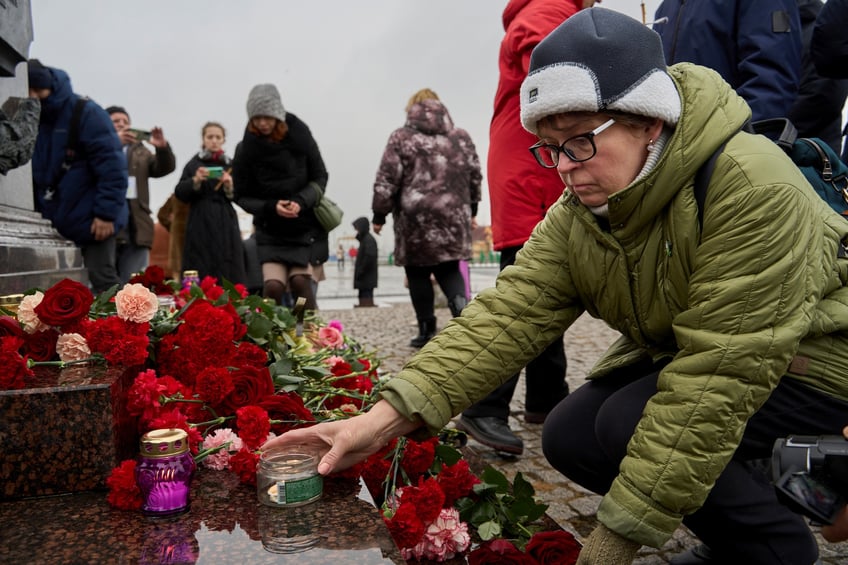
[{"x": 388, "y": 329}]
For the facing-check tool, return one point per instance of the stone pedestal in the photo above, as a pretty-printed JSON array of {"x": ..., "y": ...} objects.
[
  {"x": 32, "y": 254},
  {"x": 66, "y": 432}
]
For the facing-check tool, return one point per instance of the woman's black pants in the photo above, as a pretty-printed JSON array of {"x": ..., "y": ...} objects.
[{"x": 585, "y": 438}]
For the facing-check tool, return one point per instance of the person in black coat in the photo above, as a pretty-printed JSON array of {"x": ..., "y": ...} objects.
[
  {"x": 829, "y": 45},
  {"x": 213, "y": 244},
  {"x": 280, "y": 177},
  {"x": 365, "y": 267}
]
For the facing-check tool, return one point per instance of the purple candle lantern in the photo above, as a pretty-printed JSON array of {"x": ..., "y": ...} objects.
[{"x": 164, "y": 472}]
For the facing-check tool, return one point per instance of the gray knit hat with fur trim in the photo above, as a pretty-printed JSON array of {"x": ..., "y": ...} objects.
[
  {"x": 264, "y": 100},
  {"x": 599, "y": 59}
]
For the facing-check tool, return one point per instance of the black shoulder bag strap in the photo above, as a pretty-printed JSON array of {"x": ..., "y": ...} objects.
[
  {"x": 705, "y": 173},
  {"x": 72, "y": 146}
]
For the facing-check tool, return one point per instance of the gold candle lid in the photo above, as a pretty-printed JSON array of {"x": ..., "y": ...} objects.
[
  {"x": 187, "y": 274},
  {"x": 164, "y": 442},
  {"x": 11, "y": 299}
]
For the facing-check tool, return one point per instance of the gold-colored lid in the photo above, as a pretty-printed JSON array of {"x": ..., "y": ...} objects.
[
  {"x": 11, "y": 299},
  {"x": 164, "y": 442},
  {"x": 187, "y": 274}
]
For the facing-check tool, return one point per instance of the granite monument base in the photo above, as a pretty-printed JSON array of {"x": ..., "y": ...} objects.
[{"x": 66, "y": 432}]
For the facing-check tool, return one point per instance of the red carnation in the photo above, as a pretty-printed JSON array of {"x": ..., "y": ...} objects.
[
  {"x": 64, "y": 303},
  {"x": 119, "y": 341},
  {"x": 123, "y": 490},
  {"x": 427, "y": 498},
  {"x": 244, "y": 464},
  {"x": 553, "y": 548},
  {"x": 456, "y": 481},
  {"x": 418, "y": 457},
  {"x": 253, "y": 426},
  {"x": 213, "y": 384},
  {"x": 406, "y": 527},
  {"x": 13, "y": 367}
]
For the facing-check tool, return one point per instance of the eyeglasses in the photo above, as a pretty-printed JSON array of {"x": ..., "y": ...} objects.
[{"x": 578, "y": 148}]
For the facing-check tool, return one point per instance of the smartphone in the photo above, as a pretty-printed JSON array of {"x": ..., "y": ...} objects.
[
  {"x": 215, "y": 172},
  {"x": 140, "y": 134}
]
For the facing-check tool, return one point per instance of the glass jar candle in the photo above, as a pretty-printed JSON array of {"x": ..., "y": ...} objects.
[
  {"x": 164, "y": 471},
  {"x": 11, "y": 302},
  {"x": 288, "y": 479},
  {"x": 190, "y": 278}
]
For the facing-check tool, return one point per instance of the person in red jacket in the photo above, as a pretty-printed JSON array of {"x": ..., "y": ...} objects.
[{"x": 520, "y": 193}]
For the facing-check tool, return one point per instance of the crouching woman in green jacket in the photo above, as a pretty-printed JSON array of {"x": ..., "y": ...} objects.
[{"x": 733, "y": 326}]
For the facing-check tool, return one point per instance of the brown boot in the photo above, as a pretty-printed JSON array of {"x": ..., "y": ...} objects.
[{"x": 365, "y": 303}]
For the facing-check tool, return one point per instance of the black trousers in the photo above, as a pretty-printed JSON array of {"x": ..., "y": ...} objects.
[
  {"x": 421, "y": 293},
  {"x": 544, "y": 375},
  {"x": 742, "y": 521}
]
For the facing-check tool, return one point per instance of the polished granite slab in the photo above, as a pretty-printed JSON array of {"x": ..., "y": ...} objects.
[{"x": 225, "y": 524}]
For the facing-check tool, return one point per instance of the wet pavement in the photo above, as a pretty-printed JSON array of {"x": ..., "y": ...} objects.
[{"x": 388, "y": 329}]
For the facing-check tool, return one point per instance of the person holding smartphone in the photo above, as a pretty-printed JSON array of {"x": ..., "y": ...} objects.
[
  {"x": 135, "y": 241},
  {"x": 213, "y": 244}
]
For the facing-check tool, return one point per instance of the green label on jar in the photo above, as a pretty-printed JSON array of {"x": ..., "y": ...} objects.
[{"x": 299, "y": 490}]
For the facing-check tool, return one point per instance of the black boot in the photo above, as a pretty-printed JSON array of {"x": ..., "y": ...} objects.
[
  {"x": 426, "y": 330},
  {"x": 456, "y": 305}
]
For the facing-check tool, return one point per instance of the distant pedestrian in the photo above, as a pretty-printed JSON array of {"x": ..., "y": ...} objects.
[
  {"x": 85, "y": 197},
  {"x": 429, "y": 180},
  {"x": 365, "y": 267},
  {"x": 135, "y": 240},
  {"x": 213, "y": 243},
  {"x": 340, "y": 253}
]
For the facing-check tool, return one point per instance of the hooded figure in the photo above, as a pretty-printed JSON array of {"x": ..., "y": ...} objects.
[{"x": 365, "y": 267}]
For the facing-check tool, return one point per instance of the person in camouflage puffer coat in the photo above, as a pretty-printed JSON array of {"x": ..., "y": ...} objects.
[
  {"x": 18, "y": 132},
  {"x": 429, "y": 180},
  {"x": 734, "y": 326}
]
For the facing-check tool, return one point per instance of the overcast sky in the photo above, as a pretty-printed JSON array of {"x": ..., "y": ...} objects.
[{"x": 346, "y": 68}]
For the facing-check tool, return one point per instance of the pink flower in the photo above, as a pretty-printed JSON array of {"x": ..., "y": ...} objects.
[
  {"x": 27, "y": 315},
  {"x": 221, "y": 459},
  {"x": 333, "y": 359},
  {"x": 443, "y": 539},
  {"x": 72, "y": 347},
  {"x": 330, "y": 337},
  {"x": 135, "y": 303},
  {"x": 335, "y": 324}
]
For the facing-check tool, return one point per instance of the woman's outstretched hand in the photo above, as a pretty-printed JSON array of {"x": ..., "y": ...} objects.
[{"x": 343, "y": 443}]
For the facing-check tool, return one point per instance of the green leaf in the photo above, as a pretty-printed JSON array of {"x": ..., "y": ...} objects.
[
  {"x": 483, "y": 489},
  {"x": 447, "y": 454},
  {"x": 483, "y": 511},
  {"x": 489, "y": 530},
  {"x": 521, "y": 488},
  {"x": 259, "y": 327},
  {"x": 495, "y": 477},
  {"x": 527, "y": 510}
]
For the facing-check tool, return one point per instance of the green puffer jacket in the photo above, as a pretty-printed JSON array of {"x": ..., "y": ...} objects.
[{"x": 734, "y": 304}]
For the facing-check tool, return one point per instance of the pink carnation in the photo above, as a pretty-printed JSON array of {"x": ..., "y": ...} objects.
[
  {"x": 27, "y": 315},
  {"x": 330, "y": 337},
  {"x": 335, "y": 324},
  {"x": 72, "y": 347},
  {"x": 135, "y": 303},
  {"x": 444, "y": 538},
  {"x": 221, "y": 459}
]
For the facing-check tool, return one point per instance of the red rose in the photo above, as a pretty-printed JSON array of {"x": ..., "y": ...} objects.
[
  {"x": 253, "y": 426},
  {"x": 123, "y": 490},
  {"x": 41, "y": 346},
  {"x": 10, "y": 326},
  {"x": 250, "y": 386},
  {"x": 288, "y": 407},
  {"x": 64, "y": 303},
  {"x": 499, "y": 552},
  {"x": 244, "y": 464},
  {"x": 553, "y": 548},
  {"x": 250, "y": 354}
]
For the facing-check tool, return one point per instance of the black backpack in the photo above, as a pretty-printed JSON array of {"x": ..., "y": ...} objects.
[{"x": 822, "y": 168}]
